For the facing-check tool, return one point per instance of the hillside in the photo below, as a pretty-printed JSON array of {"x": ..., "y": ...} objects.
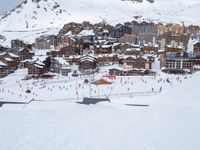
[{"x": 35, "y": 17}]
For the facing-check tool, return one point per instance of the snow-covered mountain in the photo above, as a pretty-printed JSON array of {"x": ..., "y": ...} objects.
[{"x": 36, "y": 17}]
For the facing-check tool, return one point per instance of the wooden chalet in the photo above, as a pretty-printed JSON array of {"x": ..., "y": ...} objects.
[
  {"x": 2, "y": 49},
  {"x": 74, "y": 59},
  {"x": 65, "y": 51},
  {"x": 105, "y": 59},
  {"x": 197, "y": 48},
  {"x": 103, "y": 49},
  {"x": 175, "y": 49},
  {"x": 64, "y": 40},
  {"x": 3, "y": 69},
  {"x": 60, "y": 66},
  {"x": 36, "y": 69},
  {"x": 123, "y": 46},
  {"x": 149, "y": 48},
  {"x": 87, "y": 64},
  {"x": 133, "y": 51},
  {"x": 138, "y": 63},
  {"x": 116, "y": 71},
  {"x": 23, "y": 53}
]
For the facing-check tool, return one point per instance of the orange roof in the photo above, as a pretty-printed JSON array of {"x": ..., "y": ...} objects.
[{"x": 101, "y": 82}]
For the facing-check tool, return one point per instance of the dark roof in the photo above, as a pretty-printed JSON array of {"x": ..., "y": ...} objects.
[
  {"x": 14, "y": 50},
  {"x": 197, "y": 44}
]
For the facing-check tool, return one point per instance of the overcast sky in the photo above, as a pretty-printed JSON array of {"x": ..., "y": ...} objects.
[{"x": 8, "y": 5}]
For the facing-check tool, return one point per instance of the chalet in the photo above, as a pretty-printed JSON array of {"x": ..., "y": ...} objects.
[
  {"x": 44, "y": 60},
  {"x": 60, "y": 66},
  {"x": 45, "y": 42},
  {"x": 74, "y": 59},
  {"x": 192, "y": 30},
  {"x": 197, "y": 48},
  {"x": 26, "y": 63},
  {"x": 11, "y": 64},
  {"x": 87, "y": 64},
  {"x": 17, "y": 43},
  {"x": 175, "y": 49},
  {"x": 65, "y": 51},
  {"x": 116, "y": 46},
  {"x": 122, "y": 47},
  {"x": 3, "y": 69},
  {"x": 174, "y": 40},
  {"x": 103, "y": 49},
  {"x": 20, "y": 44},
  {"x": 36, "y": 69},
  {"x": 11, "y": 60},
  {"x": 138, "y": 63},
  {"x": 2, "y": 49},
  {"x": 139, "y": 39},
  {"x": 85, "y": 39},
  {"x": 150, "y": 48},
  {"x": 133, "y": 51},
  {"x": 120, "y": 30},
  {"x": 23, "y": 53},
  {"x": 105, "y": 59},
  {"x": 125, "y": 46},
  {"x": 103, "y": 30},
  {"x": 173, "y": 28},
  {"x": 116, "y": 71},
  {"x": 64, "y": 40}
]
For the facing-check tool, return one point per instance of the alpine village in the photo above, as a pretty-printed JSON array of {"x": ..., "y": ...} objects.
[{"x": 133, "y": 48}]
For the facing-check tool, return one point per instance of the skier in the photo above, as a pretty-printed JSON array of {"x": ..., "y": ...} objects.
[{"x": 160, "y": 89}]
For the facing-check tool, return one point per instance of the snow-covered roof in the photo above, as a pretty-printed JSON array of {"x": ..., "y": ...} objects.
[
  {"x": 15, "y": 50},
  {"x": 88, "y": 58},
  {"x": 133, "y": 49},
  {"x": 87, "y": 32},
  {"x": 69, "y": 33},
  {"x": 2, "y": 54},
  {"x": 2, "y": 64},
  {"x": 174, "y": 46},
  {"x": 106, "y": 46},
  {"x": 38, "y": 66},
  {"x": 13, "y": 55},
  {"x": 8, "y": 59},
  {"x": 27, "y": 60},
  {"x": 161, "y": 50},
  {"x": 39, "y": 63},
  {"x": 61, "y": 60},
  {"x": 152, "y": 45},
  {"x": 40, "y": 58}
]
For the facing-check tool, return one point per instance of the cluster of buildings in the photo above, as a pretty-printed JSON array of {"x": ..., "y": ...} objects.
[{"x": 85, "y": 47}]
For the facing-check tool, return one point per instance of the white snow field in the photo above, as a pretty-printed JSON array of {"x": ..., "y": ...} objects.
[{"x": 170, "y": 122}]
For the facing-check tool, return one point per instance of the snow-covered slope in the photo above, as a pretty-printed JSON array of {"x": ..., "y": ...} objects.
[
  {"x": 171, "y": 122},
  {"x": 47, "y": 16}
]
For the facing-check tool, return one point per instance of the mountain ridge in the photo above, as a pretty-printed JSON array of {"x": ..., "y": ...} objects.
[{"x": 35, "y": 17}]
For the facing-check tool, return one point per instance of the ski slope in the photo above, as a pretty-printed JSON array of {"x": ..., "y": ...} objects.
[{"x": 57, "y": 122}]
